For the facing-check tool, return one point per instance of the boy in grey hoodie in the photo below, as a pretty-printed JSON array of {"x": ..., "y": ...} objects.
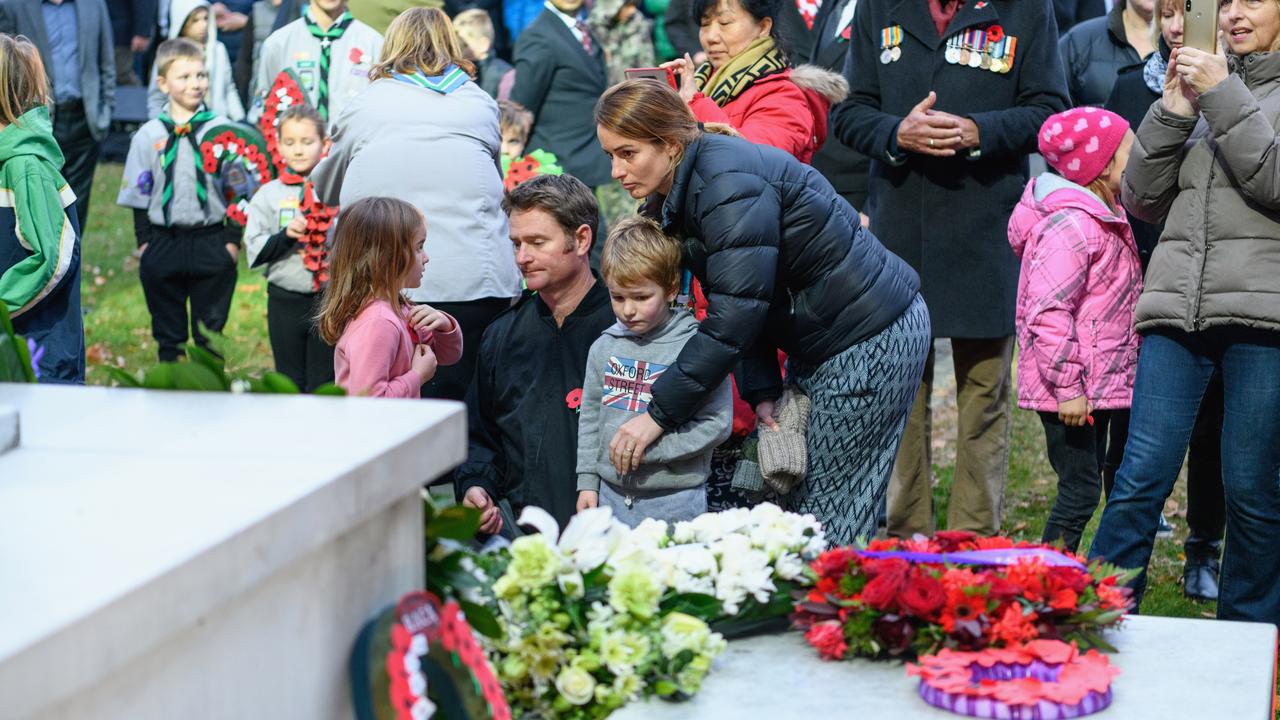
[{"x": 641, "y": 267}]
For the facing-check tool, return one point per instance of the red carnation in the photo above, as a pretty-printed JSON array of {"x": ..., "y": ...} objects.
[
  {"x": 951, "y": 540},
  {"x": 923, "y": 596},
  {"x": 828, "y": 638}
]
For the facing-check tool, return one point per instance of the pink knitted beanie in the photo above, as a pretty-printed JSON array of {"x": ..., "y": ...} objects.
[{"x": 1080, "y": 142}]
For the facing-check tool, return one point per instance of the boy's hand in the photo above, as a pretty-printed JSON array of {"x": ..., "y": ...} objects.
[
  {"x": 490, "y": 516},
  {"x": 424, "y": 362},
  {"x": 234, "y": 251},
  {"x": 1074, "y": 412},
  {"x": 427, "y": 319},
  {"x": 142, "y": 249},
  {"x": 588, "y": 499},
  {"x": 296, "y": 228}
]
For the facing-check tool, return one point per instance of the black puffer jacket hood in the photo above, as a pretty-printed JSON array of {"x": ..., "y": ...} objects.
[
  {"x": 1093, "y": 54},
  {"x": 785, "y": 264}
]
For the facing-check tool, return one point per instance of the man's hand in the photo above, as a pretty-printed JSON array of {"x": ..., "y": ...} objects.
[
  {"x": 490, "y": 516},
  {"x": 588, "y": 499},
  {"x": 139, "y": 43},
  {"x": 926, "y": 132}
]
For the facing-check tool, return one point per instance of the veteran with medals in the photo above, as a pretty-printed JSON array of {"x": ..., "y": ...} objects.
[{"x": 946, "y": 98}]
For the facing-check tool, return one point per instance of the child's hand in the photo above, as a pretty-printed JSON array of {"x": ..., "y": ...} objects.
[
  {"x": 427, "y": 319},
  {"x": 490, "y": 515},
  {"x": 588, "y": 499},
  {"x": 234, "y": 251},
  {"x": 296, "y": 228},
  {"x": 1074, "y": 412},
  {"x": 764, "y": 414},
  {"x": 424, "y": 362}
]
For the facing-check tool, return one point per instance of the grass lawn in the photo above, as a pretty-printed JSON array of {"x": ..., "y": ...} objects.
[{"x": 118, "y": 332}]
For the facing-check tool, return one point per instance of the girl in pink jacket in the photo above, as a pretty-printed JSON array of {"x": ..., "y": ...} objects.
[
  {"x": 1079, "y": 285},
  {"x": 384, "y": 347}
]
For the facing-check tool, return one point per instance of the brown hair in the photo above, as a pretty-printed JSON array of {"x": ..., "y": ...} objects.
[
  {"x": 649, "y": 111},
  {"x": 563, "y": 197},
  {"x": 637, "y": 251},
  {"x": 303, "y": 112},
  {"x": 513, "y": 116},
  {"x": 373, "y": 250},
  {"x": 421, "y": 40},
  {"x": 175, "y": 49},
  {"x": 23, "y": 84},
  {"x": 182, "y": 32}
]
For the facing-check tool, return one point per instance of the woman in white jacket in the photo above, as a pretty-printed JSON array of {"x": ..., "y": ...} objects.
[
  {"x": 191, "y": 19},
  {"x": 424, "y": 132}
]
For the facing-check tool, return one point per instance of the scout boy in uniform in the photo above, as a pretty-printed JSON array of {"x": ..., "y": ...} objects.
[{"x": 330, "y": 51}]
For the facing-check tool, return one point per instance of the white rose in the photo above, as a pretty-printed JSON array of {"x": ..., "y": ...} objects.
[
  {"x": 418, "y": 644},
  {"x": 423, "y": 709},
  {"x": 789, "y": 566},
  {"x": 576, "y": 685},
  {"x": 417, "y": 684}
]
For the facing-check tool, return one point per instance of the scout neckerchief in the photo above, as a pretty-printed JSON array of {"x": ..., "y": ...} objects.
[
  {"x": 759, "y": 59},
  {"x": 315, "y": 250},
  {"x": 190, "y": 130},
  {"x": 446, "y": 82},
  {"x": 326, "y": 38}
]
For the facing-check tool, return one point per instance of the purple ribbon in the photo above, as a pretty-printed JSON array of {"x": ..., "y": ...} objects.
[{"x": 1004, "y": 556}]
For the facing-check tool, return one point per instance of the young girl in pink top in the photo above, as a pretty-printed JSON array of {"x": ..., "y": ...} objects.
[
  {"x": 1079, "y": 285},
  {"x": 384, "y": 347}
]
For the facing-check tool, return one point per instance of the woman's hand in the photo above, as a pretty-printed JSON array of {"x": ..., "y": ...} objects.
[
  {"x": 685, "y": 69},
  {"x": 1199, "y": 70},
  {"x": 764, "y": 414},
  {"x": 628, "y": 445},
  {"x": 1176, "y": 96},
  {"x": 1074, "y": 412}
]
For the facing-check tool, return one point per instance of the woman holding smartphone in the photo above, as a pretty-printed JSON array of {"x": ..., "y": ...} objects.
[{"x": 1207, "y": 163}]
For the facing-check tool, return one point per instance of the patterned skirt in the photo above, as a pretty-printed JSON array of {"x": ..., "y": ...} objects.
[{"x": 860, "y": 402}]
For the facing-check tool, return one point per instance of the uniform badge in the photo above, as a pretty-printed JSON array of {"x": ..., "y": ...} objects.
[{"x": 890, "y": 42}]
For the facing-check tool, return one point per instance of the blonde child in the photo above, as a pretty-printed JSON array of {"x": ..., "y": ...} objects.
[
  {"x": 493, "y": 74},
  {"x": 186, "y": 253},
  {"x": 190, "y": 20},
  {"x": 641, "y": 267},
  {"x": 1077, "y": 292},
  {"x": 276, "y": 239},
  {"x": 39, "y": 235},
  {"x": 384, "y": 347}
]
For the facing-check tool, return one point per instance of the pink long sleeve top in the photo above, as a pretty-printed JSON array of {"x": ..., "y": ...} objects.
[{"x": 374, "y": 355}]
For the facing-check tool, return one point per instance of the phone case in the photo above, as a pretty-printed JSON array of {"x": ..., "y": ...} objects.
[{"x": 1200, "y": 25}]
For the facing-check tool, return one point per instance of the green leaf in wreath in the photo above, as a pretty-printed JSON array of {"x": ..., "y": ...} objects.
[
  {"x": 193, "y": 376},
  {"x": 203, "y": 357},
  {"x": 482, "y": 619},
  {"x": 122, "y": 378},
  {"x": 279, "y": 384},
  {"x": 704, "y": 607},
  {"x": 329, "y": 389},
  {"x": 159, "y": 377}
]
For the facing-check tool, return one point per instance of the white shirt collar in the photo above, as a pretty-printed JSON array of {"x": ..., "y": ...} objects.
[{"x": 571, "y": 22}]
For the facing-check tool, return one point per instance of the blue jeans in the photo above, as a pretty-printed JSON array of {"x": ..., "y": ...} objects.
[{"x": 1174, "y": 368}]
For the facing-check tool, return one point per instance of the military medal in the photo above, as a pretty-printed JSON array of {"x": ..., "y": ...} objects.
[
  {"x": 963, "y": 58},
  {"x": 1007, "y": 63},
  {"x": 952, "y": 53},
  {"x": 978, "y": 41},
  {"x": 890, "y": 39}
]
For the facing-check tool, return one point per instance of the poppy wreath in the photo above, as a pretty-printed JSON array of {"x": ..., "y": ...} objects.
[
  {"x": 432, "y": 646},
  {"x": 1041, "y": 679},
  {"x": 538, "y": 162},
  {"x": 315, "y": 241},
  {"x": 285, "y": 92},
  {"x": 956, "y": 591},
  {"x": 237, "y": 157}
]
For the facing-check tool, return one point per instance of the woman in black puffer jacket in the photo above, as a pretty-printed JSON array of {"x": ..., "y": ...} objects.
[{"x": 786, "y": 265}]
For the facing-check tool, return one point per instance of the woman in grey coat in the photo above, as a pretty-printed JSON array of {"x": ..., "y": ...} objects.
[
  {"x": 1206, "y": 163},
  {"x": 425, "y": 133}
]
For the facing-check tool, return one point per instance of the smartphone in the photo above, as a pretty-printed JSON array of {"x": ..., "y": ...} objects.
[
  {"x": 1200, "y": 25},
  {"x": 666, "y": 75}
]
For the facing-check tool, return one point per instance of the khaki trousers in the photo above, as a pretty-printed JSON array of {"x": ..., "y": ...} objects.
[{"x": 982, "y": 446}]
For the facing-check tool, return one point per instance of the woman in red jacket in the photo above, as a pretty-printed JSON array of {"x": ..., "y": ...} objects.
[{"x": 748, "y": 84}]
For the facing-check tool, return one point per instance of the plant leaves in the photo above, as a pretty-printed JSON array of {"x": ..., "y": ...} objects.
[
  {"x": 191, "y": 376},
  {"x": 123, "y": 378},
  {"x": 482, "y": 619},
  {"x": 159, "y": 377},
  {"x": 456, "y": 523},
  {"x": 705, "y": 607},
  {"x": 207, "y": 359},
  {"x": 279, "y": 383},
  {"x": 329, "y": 389}
]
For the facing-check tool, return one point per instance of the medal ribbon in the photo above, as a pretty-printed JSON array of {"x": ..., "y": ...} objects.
[
  {"x": 189, "y": 130},
  {"x": 326, "y": 38}
]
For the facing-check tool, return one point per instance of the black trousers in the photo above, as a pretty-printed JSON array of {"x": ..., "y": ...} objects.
[
  {"x": 1206, "y": 501},
  {"x": 473, "y": 316},
  {"x": 298, "y": 349},
  {"x": 71, "y": 131},
  {"x": 1077, "y": 455},
  {"x": 181, "y": 265}
]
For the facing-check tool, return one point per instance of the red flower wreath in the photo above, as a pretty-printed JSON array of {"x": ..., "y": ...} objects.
[
  {"x": 285, "y": 92},
  {"x": 229, "y": 147},
  {"x": 315, "y": 247}
]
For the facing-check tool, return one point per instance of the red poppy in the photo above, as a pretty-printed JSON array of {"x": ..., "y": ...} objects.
[
  {"x": 995, "y": 33},
  {"x": 356, "y": 56},
  {"x": 574, "y": 399},
  {"x": 846, "y": 32}
]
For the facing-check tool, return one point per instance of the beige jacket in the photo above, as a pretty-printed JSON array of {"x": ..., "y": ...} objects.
[{"x": 1215, "y": 181}]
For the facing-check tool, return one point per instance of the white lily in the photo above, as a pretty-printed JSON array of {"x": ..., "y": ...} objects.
[{"x": 588, "y": 539}]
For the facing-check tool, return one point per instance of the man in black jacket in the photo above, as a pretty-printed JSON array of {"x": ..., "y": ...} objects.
[
  {"x": 132, "y": 24},
  {"x": 947, "y": 99},
  {"x": 75, "y": 44},
  {"x": 524, "y": 400}
]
